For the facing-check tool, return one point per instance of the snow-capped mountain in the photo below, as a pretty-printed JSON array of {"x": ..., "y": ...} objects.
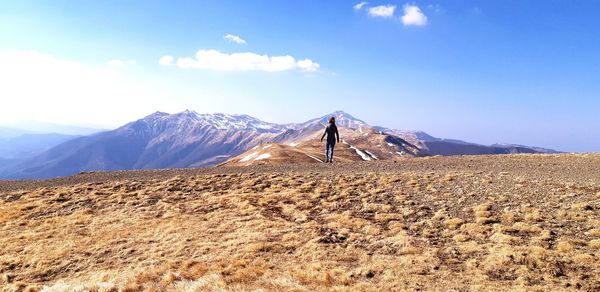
[
  {"x": 341, "y": 119},
  {"x": 159, "y": 140},
  {"x": 189, "y": 139},
  {"x": 240, "y": 122},
  {"x": 216, "y": 121}
]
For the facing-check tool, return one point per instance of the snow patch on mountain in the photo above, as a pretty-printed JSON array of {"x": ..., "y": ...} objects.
[
  {"x": 315, "y": 158},
  {"x": 263, "y": 156},
  {"x": 363, "y": 155},
  {"x": 221, "y": 121},
  {"x": 248, "y": 157},
  {"x": 372, "y": 155}
]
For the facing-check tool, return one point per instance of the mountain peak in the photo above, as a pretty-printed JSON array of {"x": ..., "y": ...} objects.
[
  {"x": 342, "y": 118},
  {"x": 340, "y": 112},
  {"x": 189, "y": 112},
  {"x": 345, "y": 119},
  {"x": 155, "y": 115}
]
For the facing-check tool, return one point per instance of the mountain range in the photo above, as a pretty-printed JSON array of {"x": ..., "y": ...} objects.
[
  {"x": 190, "y": 139},
  {"x": 25, "y": 139},
  {"x": 28, "y": 145},
  {"x": 29, "y": 127}
]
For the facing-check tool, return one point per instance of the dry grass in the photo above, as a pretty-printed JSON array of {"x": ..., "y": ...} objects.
[{"x": 304, "y": 232}]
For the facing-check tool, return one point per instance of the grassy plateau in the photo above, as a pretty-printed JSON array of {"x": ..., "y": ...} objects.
[{"x": 470, "y": 223}]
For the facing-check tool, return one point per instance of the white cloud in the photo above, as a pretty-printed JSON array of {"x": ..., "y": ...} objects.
[
  {"x": 166, "y": 60},
  {"x": 308, "y": 65},
  {"x": 360, "y": 5},
  {"x": 384, "y": 11},
  {"x": 247, "y": 61},
  {"x": 42, "y": 87},
  {"x": 413, "y": 16},
  {"x": 235, "y": 39}
]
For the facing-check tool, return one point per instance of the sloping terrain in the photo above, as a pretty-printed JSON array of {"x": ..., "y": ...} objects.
[
  {"x": 28, "y": 145},
  {"x": 361, "y": 144},
  {"x": 189, "y": 139},
  {"x": 449, "y": 147},
  {"x": 429, "y": 145},
  {"x": 513, "y": 222},
  {"x": 304, "y": 152},
  {"x": 160, "y": 140}
]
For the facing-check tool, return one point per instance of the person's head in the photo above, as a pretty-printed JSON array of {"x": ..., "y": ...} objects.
[{"x": 332, "y": 120}]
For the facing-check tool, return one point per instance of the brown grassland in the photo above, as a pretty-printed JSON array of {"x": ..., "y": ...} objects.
[{"x": 514, "y": 222}]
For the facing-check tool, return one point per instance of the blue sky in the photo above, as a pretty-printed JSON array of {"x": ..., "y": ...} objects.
[{"x": 523, "y": 72}]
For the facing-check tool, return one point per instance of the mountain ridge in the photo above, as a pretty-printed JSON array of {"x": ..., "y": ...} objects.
[{"x": 190, "y": 139}]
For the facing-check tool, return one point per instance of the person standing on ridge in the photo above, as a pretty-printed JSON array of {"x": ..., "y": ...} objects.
[{"x": 332, "y": 135}]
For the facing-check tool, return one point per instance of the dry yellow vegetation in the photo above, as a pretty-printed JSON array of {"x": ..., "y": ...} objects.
[{"x": 390, "y": 226}]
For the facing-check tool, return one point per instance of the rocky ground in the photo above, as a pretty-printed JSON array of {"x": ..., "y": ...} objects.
[{"x": 510, "y": 222}]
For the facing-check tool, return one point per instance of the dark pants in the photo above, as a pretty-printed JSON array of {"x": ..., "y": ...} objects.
[{"x": 329, "y": 150}]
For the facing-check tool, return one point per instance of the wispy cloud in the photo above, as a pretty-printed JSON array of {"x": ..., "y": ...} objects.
[
  {"x": 246, "y": 61},
  {"x": 360, "y": 5},
  {"x": 166, "y": 60},
  {"x": 121, "y": 63},
  {"x": 413, "y": 16},
  {"x": 235, "y": 39},
  {"x": 384, "y": 11},
  {"x": 436, "y": 8}
]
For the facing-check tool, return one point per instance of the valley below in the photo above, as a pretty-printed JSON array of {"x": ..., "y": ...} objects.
[{"x": 459, "y": 223}]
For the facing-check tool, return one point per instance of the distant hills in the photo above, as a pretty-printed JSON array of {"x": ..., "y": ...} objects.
[
  {"x": 189, "y": 139},
  {"x": 35, "y": 127},
  {"x": 7, "y": 132},
  {"x": 29, "y": 138},
  {"x": 28, "y": 145}
]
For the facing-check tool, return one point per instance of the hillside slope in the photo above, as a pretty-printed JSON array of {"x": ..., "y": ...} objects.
[
  {"x": 304, "y": 146},
  {"x": 160, "y": 140}
]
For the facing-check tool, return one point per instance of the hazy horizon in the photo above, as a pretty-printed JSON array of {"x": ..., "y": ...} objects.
[
  {"x": 523, "y": 73},
  {"x": 26, "y": 125}
]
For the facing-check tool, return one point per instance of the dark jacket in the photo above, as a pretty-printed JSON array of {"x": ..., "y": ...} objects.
[{"x": 332, "y": 133}]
